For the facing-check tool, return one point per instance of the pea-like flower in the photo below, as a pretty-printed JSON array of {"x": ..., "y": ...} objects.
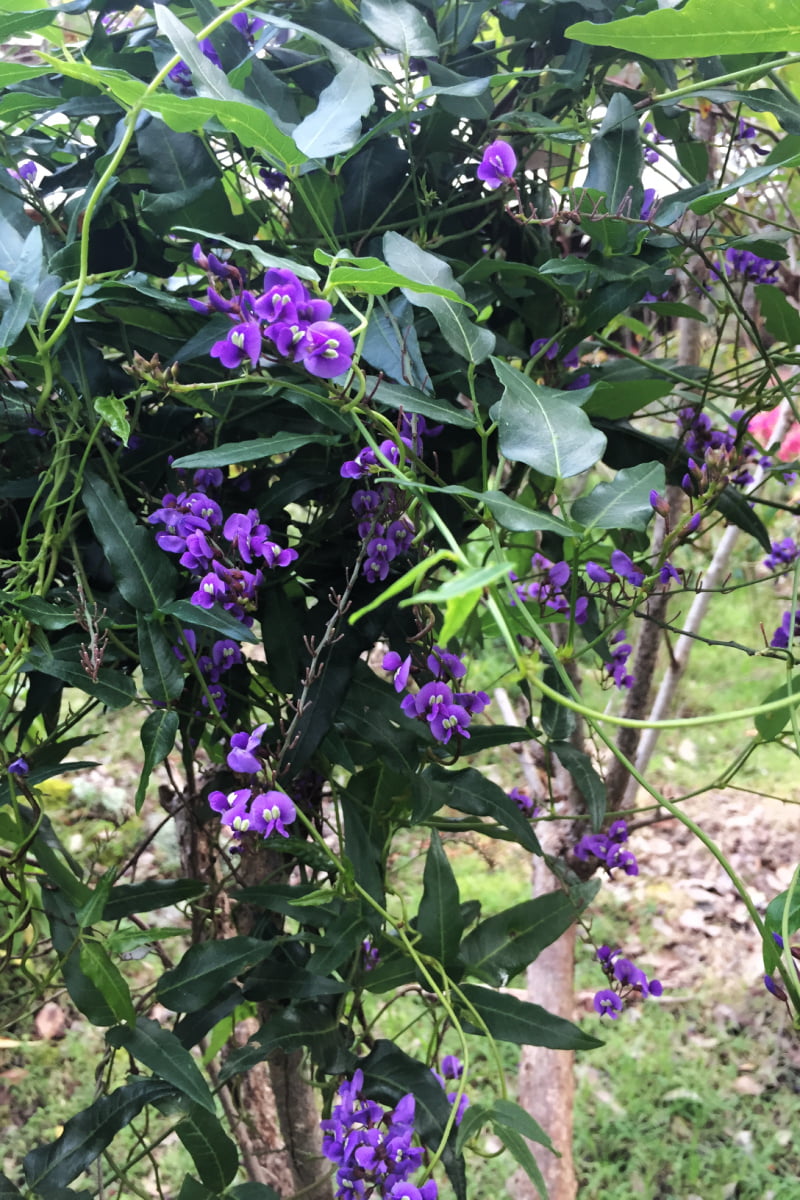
[
  {"x": 326, "y": 349},
  {"x": 241, "y": 757},
  {"x": 498, "y": 165}
]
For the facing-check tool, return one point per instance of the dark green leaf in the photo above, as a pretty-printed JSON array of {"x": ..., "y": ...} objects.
[
  {"x": 205, "y": 967},
  {"x": 85, "y": 995},
  {"x": 8, "y": 1189},
  {"x": 412, "y": 400},
  {"x": 502, "y": 946},
  {"x": 512, "y": 1020},
  {"x": 624, "y": 503},
  {"x": 470, "y": 792},
  {"x": 48, "y": 616},
  {"x": 86, "y": 1136},
  {"x": 193, "y": 1189},
  {"x": 342, "y": 939},
  {"x": 111, "y": 688},
  {"x": 361, "y": 852},
  {"x": 544, "y": 428},
  {"x": 215, "y": 1156},
  {"x": 400, "y": 25},
  {"x": 97, "y": 966},
  {"x": 162, "y": 677},
  {"x": 215, "y": 618},
  {"x": 508, "y": 1115},
  {"x": 439, "y": 918},
  {"x": 519, "y": 1149},
  {"x": 780, "y": 317},
  {"x": 128, "y": 898},
  {"x": 252, "y": 1191},
  {"x": 160, "y": 1050},
  {"x": 775, "y": 910},
  {"x": 158, "y": 737},
  {"x": 143, "y": 573},
  {"x": 585, "y": 778},
  {"x": 615, "y": 156},
  {"x": 244, "y": 452},
  {"x": 468, "y": 340},
  {"x": 515, "y": 516},
  {"x": 335, "y": 124},
  {"x": 558, "y": 721},
  {"x": 300, "y": 1026},
  {"x": 771, "y": 724}
]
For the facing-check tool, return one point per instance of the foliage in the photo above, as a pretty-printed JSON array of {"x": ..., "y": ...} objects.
[{"x": 299, "y": 354}]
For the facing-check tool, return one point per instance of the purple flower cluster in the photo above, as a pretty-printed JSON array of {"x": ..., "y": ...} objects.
[
  {"x": 446, "y": 711},
  {"x": 524, "y": 803},
  {"x": 548, "y": 590},
  {"x": 382, "y": 524},
  {"x": 626, "y": 980},
  {"x": 224, "y": 654},
  {"x": 622, "y": 567},
  {"x": 651, "y": 156},
  {"x": 452, "y": 1070},
  {"x": 701, "y": 440},
  {"x": 745, "y": 132},
  {"x": 371, "y": 1147},
  {"x": 617, "y": 668},
  {"x": 750, "y": 266},
  {"x": 25, "y": 172},
  {"x": 293, "y": 324},
  {"x": 783, "y": 634},
  {"x": 498, "y": 165},
  {"x": 570, "y": 360},
  {"x": 264, "y": 812},
  {"x": 370, "y": 955},
  {"x": 230, "y": 566},
  {"x": 608, "y": 848},
  {"x": 782, "y": 555}
]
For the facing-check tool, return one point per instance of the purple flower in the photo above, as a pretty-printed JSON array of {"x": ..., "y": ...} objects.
[
  {"x": 271, "y": 812},
  {"x": 18, "y": 767},
  {"x": 523, "y": 802},
  {"x": 550, "y": 353},
  {"x": 326, "y": 350},
  {"x": 442, "y": 662},
  {"x": 498, "y": 165},
  {"x": 452, "y": 1067},
  {"x": 773, "y": 987},
  {"x": 595, "y": 844},
  {"x": 399, "y": 667},
  {"x": 623, "y": 566},
  {"x": 619, "y": 658},
  {"x": 596, "y": 573},
  {"x": 241, "y": 757},
  {"x": 668, "y": 572},
  {"x": 241, "y": 342},
  {"x": 25, "y": 172},
  {"x": 781, "y": 637},
  {"x": 370, "y": 956},
  {"x": 649, "y": 200},
  {"x": 628, "y": 974},
  {"x": 617, "y": 857},
  {"x": 618, "y": 831},
  {"x": 607, "y": 1004},
  {"x": 782, "y": 555}
]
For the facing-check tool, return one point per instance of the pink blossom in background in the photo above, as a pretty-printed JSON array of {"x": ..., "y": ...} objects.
[{"x": 762, "y": 427}]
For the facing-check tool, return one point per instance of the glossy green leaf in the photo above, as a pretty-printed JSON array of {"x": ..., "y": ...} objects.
[
  {"x": 114, "y": 412},
  {"x": 252, "y": 451},
  {"x": 157, "y": 736},
  {"x": 780, "y": 317},
  {"x": 86, "y": 1135},
  {"x": 504, "y": 945},
  {"x": 465, "y": 582},
  {"x": 127, "y": 898},
  {"x": 8, "y": 1189},
  {"x": 776, "y": 908},
  {"x": 512, "y": 1020},
  {"x": 785, "y": 154},
  {"x": 215, "y": 1156},
  {"x": 401, "y": 26},
  {"x": 508, "y": 1115},
  {"x": 439, "y": 920},
  {"x": 215, "y": 618},
  {"x": 515, "y": 516},
  {"x": 48, "y": 615},
  {"x": 702, "y": 29},
  {"x": 412, "y": 400},
  {"x": 105, "y": 975},
  {"x": 335, "y": 124},
  {"x": 25, "y": 275},
  {"x": 162, "y": 676},
  {"x": 615, "y": 155},
  {"x": 467, "y": 339},
  {"x": 342, "y": 939},
  {"x": 159, "y": 1049},
  {"x": 544, "y": 428},
  {"x": 770, "y": 725},
  {"x": 470, "y": 792},
  {"x": 302, "y": 1026},
  {"x": 586, "y": 779},
  {"x": 143, "y": 573},
  {"x": 624, "y": 503},
  {"x": 193, "y": 1189},
  {"x": 197, "y": 978},
  {"x": 111, "y": 688},
  {"x": 521, "y": 1152}
]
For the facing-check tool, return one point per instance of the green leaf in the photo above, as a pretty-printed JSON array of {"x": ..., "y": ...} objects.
[
  {"x": 25, "y": 276},
  {"x": 252, "y": 1191},
  {"x": 502, "y": 946},
  {"x": 256, "y": 252},
  {"x": 193, "y": 1189},
  {"x": 127, "y": 898},
  {"x": 467, "y": 339},
  {"x": 771, "y": 724},
  {"x": 399, "y": 25},
  {"x": 585, "y": 778},
  {"x": 335, "y": 124},
  {"x": 111, "y": 688},
  {"x": 342, "y": 938},
  {"x": 215, "y": 618},
  {"x": 470, "y": 792},
  {"x": 91, "y": 911},
  {"x": 517, "y": 517},
  {"x": 508, "y": 1115},
  {"x": 47, "y": 615},
  {"x": 512, "y": 1020},
  {"x": 785, "y": 154},
  {"x": 252, "y": 451},
  {"x": 775, "y": 910},
  {"x": 97, "y": 966},
  {"x": 780, "y": 317},
  {"x": 160, "y": 1050},
  {"x": 215, "y": 1156},
  {"x": 411, "y": 400},
  {"x": 360, "y": 850},
  {"x": 519, "y": 1149},
  {"x": 544, "y": 428},
  {"x": 205, "y": 967},
  {"x": 700, "y": 30},
  {"x": 464, "y": 582},
  {"x": 86, "y": 1135},
  {"x": 143, "y": 573},
  {"x": 162, "y": 677},
  {"x": 625, "y": 502},
  {"x": 157, "y": 737},
  {"x": 298, "y": 1027},
  {"x": 615, "y": 155},
  {"x": 114, "y": 412},
  {"x": 439, "y": 918},
  {"x": 8, "y": 1189}
]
